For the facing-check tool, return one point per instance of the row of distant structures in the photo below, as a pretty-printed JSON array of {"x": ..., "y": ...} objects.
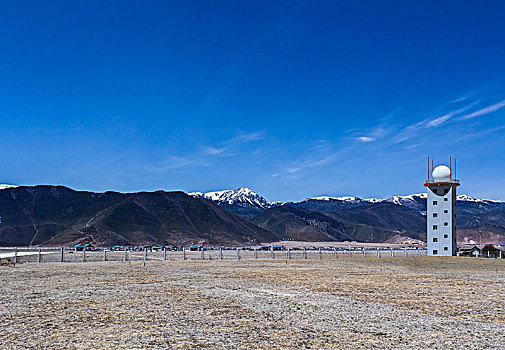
[
  {"x": 487, "y": 251},
  {"x": 156, "y": 248}
]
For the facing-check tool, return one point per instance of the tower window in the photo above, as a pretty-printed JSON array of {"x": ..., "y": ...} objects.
[
  {"x": 446, "y": 236},
  {"x": 435, "y": 202},
  {"x": 435, "y": 191},
  {"x": 435, "y": 252},
  {"x": 446, "y": 211},
  {"x": 435, "y": 227},
  {"x": 446, "y": 248},
  {"x": 445, "y": 199},
  {"x": 435, "y": 215},
  {"x": 435, "y": 239},
  {"x": 446, "y": 190},
  {"x": 446, "y": 224}
]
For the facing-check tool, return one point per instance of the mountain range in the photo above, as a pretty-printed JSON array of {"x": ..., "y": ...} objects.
[
  {"x": 56, "y": 215},
  {"x": 394, "y": 219}
]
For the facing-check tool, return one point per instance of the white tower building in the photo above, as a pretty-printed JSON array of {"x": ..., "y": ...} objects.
[{"x": 441, "y": 211}]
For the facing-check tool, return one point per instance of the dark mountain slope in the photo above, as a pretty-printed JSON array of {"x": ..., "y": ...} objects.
[
  {"x": 360, "y": 224},
  {"x": 54, "y": 215},
  {"x": 477, "y": 220},
  {"x": 308, "y": 225},
  {"x": 385, "y": 215}
]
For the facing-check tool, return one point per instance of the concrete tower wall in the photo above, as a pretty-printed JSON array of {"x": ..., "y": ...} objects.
[{"x": 441, "y": 219}]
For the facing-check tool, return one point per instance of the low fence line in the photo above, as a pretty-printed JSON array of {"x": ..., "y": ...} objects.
[{"x": 39, "y": 255}]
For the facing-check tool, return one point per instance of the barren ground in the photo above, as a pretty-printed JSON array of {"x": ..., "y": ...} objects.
[{"x": 350, "y": 302}]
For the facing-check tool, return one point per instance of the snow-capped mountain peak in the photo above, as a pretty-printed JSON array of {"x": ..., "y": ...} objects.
[
  {"x": 400, "y": 200},
  {"x": 466, "y": 198},
  {"x": 327, "y": 198},
  {"x": 411, "y": 200},
  {"x": 242, "y": 196},
  {"x": 403, "y": 200},
  {"x": 5, "y": 186},
  {"x": 246, "y": 198}
]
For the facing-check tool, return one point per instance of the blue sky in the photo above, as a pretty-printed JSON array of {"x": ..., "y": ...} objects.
[{"x": 290, "y": 98}]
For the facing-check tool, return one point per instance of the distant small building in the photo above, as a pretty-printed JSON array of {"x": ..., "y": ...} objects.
[
  {"x": 195, "y": 248},
  {"x": 490, "y": 251},
  {"x": 81, "y": 247},
  {"x": 469, "y": 251}
]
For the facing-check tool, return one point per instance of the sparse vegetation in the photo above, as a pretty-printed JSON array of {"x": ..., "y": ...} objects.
[{"x": 352, "y": 302}]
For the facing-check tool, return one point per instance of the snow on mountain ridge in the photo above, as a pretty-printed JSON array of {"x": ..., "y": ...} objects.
[
  {"x": 246, "y": 196},
  {"x": 5, "y": 186},
  {"x": 401, "y": 200},
  {"x": 394, "y": 199},
  {"x": 327, "y": 198},
  {"x": 243, "y": 195}
]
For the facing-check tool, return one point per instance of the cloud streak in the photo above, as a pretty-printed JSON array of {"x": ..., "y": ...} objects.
[
  {"x": 484, "y": 111},
  {"x": 441, "y": 120},
  {"x": 440, "y": 131},
  {"x": 365, "y": 139},
  {"x": 205, "y": 154},
  {"x": 173, "y": 162},
  {"x": 309, "y": 163}
]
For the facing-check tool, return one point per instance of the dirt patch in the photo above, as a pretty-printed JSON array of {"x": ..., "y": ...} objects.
[{"x": 349, "y": 302}]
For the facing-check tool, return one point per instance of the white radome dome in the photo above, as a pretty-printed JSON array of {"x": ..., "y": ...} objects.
[{"x": 441, "y": 174}]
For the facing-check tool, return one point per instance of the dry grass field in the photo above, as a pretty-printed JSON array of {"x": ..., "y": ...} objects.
[{"x": 346, "y": 303}]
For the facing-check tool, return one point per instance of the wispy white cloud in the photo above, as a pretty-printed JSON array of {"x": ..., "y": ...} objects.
[
  {"x": 481, "y": 133},
  {"x": 413, "y": 131},
  {"x": 247, "y": 137},
  {"x": 321, "y": 145},
  {"x": 173, "y": 162},
  {"x": 209, "y": 150},
  {"x": 392, "y": 139},
  {"x": 204, "y": 154},
  {"x": 228, "y": 148},
  {"x": 484, "y": 111},
  {"x": 325, "y": 153},
  {"x": 365, "y": 139},
  {"x": 407, "y": 133},
  {"x": 441, "y": 120},
  {"x": 375, "y": 133},
  {"x": 310, "y": 163},
  {"x": 460, "y": 99}
]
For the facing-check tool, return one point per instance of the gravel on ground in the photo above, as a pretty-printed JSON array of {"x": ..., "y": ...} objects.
[{"x": 345, "y": 303}]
